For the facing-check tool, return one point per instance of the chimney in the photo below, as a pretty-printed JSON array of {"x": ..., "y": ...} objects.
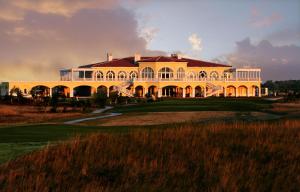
[
  {"x": 109, "y": 57},
  {"x": 176, "y": 55},
  {"x": 137, "y": 57}
]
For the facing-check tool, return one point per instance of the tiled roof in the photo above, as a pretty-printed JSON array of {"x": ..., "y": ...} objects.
[{"x": 129, "y": 62}]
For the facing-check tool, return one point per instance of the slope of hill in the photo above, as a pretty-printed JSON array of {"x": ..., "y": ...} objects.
[{"x": 262, "y": 156}]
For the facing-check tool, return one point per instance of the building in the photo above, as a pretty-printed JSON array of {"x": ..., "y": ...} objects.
[{"x": 161, "y": 76}]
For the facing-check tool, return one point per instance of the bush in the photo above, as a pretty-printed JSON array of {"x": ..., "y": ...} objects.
[{"x": 100, "y": 99}]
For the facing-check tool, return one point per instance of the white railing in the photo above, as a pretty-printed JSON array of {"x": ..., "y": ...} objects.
[{"x": 187, "y": 79}]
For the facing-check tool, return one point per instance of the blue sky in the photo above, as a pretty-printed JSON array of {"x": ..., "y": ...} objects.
[{"x": 219, "y": 24}]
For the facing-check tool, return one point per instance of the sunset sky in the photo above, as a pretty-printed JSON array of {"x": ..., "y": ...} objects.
[{"x": 39, "y": 37}]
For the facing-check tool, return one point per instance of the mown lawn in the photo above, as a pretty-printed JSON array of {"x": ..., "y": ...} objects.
[
  {"x": 196, "y": 104},
  {"x": 17, "y": 140}
]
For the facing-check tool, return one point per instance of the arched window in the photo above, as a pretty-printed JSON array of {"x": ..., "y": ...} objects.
[
  {"x": 191, "y": 75},
  {"x": 148, "y": 73},
  {"x": 202, "y": 74},
  {"x": 165, "y": 73},
  {"x": 133, "y": 75},
  {"x": 110, "y": 75},
  {"x": 180, "y": 73},
  {"x": 214, "y": 75},
  {"x": 122, "y": 75},
  {"x": 98, "y": 75}
]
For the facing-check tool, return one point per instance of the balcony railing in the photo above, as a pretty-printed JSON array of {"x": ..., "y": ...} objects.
[{"x": 187, "y": 79}]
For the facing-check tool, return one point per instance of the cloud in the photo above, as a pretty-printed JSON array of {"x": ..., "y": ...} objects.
[
  {"x": 36, "y": 47},
  {"x": 285, "y": 36},
  {"x": 277, "y": 62},
  {"x": 149, "y": 33},
  {"x": 15, "y": 10},
  {"x": 259, "y": 20},
  {"x": 195, "y": 42}
]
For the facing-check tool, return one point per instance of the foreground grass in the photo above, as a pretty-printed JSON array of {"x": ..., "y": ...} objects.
[
  {"x": 261, "y": 156},
  {"x": 196, "y": 104}
]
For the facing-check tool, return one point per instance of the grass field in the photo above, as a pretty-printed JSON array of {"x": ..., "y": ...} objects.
[
  {"x": 222, "y": 156},
  {"x": 178, "y": 154},
  {"x": 192, "y": 104}
]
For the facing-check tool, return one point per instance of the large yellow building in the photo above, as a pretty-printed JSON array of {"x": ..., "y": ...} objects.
[{"x": 160, "y": 76}]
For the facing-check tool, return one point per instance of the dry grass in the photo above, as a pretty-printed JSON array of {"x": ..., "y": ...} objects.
[
  {"x": 12, "y": 114},
  {"x": 221, "y": 156},
  {"x": 156, "y": 118}
]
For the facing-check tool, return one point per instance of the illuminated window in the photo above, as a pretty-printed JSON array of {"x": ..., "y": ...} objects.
[
  {"x": 148, "y": 73},
  {"x": 110, "y": 75},
  {"x": 180, "y": 73},
  {"x": 122, "y": 75},
  {"x": 165, "y": 73}
]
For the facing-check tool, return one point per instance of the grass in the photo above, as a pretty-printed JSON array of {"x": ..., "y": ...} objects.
[
  {"x": 18, "y": 140},
  {"x": 208, "y": 104},
  {"x": 223, "y": 156}
]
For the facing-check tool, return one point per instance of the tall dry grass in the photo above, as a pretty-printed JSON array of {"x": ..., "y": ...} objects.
[{"x": 214, "y": 157}]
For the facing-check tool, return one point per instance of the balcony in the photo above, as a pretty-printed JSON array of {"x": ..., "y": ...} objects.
[{"x": 196, "y": 79}]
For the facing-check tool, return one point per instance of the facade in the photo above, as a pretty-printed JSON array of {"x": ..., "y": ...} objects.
[{"x": 159, "y": 76}]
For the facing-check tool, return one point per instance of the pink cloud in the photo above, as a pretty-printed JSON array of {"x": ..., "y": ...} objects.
[{"x": 258, "y": 20}]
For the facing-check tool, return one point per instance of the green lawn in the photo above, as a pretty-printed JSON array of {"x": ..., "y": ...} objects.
[
  {"x": 17, "y": 140},
  {"x": 208, "y": 104}
]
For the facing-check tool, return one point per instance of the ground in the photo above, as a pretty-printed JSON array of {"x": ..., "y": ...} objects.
[{"x": 26, "y": 128}]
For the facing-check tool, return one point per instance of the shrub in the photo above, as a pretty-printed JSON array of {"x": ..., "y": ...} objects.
[{"x": 100, "y": 99}]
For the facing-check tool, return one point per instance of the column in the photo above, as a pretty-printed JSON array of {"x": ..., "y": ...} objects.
[
  {"x": 183, "y": 93},
  {"x": 84, "y": 75},
  {"x": 259, "y": 92},
  {"x": 50, "y": 92},
  {"x": 159, "y": 92},
  {"x": 225, "y": 94},
  {"x": 72, "y": 75},
  {"x": 248, "y": 92},
  {"x": 204, "y": 92},
  {"x": 236, "y": 92},
  {"x": 193, "y": 92},
  {"x": 146, "y": 91},
  {"x": 71, "y": 92}
]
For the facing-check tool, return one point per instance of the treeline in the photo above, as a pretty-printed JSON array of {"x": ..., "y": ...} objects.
[{"x": 289, "y": 87}]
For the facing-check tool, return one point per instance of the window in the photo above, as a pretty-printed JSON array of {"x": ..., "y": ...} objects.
[
  {"x": 148, "y": 73},
  {"x": 180, "y": 73},
  {"x": 214, "y": 75},
  {"x": 191, "y": 75},
  {"x": 122, "y": 75},
  {"x": 202, "y": 74},
  {"x": 110, "y": 75},
  {"x": 165, "y": 73},
  {"x": 133, "y": 75},
  {"x": 98, "y": 75}
]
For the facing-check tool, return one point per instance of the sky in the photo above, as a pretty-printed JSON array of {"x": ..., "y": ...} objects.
[{"x": 40, "y": 37}]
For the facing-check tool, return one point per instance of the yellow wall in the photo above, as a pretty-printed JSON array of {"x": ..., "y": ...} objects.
[{"x": 248, "y": 89}]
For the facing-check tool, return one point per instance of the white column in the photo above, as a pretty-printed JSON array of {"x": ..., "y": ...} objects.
[
  {"x": 248, "y": 92},
  {"x": 71, "y": 92},
  {"x": 84, "y": 75},
  {"x": 159, "y": 92},
  {"x": 183, "y": 93},
  {"x": 193, "y": 92},
  {"x": 225, "y": 91},
  {"x": 259, "y": 92},
  {"x": 204, "y": 92},
  {"x": 50, "y": 92},
  {"x": 146, "y": 91}
]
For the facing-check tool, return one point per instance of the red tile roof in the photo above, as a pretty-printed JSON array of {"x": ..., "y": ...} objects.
[{"x": 129, "y": 62}]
